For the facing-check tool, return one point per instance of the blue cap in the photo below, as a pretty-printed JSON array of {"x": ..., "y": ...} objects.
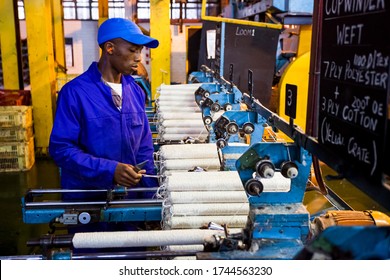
[{"x": 127, "y": 30}]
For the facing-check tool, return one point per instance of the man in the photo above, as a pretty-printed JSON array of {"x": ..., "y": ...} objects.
[{"x": 101, "y": 130}]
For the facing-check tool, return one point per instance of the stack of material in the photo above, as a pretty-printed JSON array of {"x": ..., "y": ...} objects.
[
  {"x": 186, "y": 157},
  {"x": 16, "y": 138},
  {"x": 178, "y": 116},
  {"x": 193, "y": 200}
]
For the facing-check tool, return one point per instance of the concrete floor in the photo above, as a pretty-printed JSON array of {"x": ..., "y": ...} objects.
[{"x": 44, "y": 174}]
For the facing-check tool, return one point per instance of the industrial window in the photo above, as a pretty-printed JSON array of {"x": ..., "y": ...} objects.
[
  {"x": 179, "y": 9},
  {"x": 89, "y": 9},
  {"x": 83, "y": 9}
]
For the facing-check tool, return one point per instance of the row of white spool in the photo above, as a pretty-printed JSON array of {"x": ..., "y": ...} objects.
[
  {"x": 192, "y": 200},
  {"x": 178, "y": 115}
]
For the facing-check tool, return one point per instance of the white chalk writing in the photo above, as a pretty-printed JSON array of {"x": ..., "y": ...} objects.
[
  {"x": 245, "y": 31},
  {"x": 349, "y": 34},
  {"x": 336, "y": 7},
  {"x": 372, "y": 60},
  {"x": 357, "y": 151},
  {"x": 363, "y": 111},
  {"x": 359, "y": 75}
]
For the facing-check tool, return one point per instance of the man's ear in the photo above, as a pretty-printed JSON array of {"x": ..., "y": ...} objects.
[{"x": 109, "y": 46}]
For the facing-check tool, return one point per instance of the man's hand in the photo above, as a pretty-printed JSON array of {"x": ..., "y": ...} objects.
[{"x": 126, "y": 176}]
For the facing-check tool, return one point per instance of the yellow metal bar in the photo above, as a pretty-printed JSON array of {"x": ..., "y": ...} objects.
[
  {"x": 59, "y": 40},
  {"x": 304, "y": 44},
  {"x": 103, "y": 11},
  {"x": 237, "y": 21},
  {"x": 161, "y": 56},
  {"x": 8, "y": 45},
  {"x": 42, "y": 70}
]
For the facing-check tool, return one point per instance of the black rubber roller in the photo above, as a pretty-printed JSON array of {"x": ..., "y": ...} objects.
[{"x": 254, "y": 187}]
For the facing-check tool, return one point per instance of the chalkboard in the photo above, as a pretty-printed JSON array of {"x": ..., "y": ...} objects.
[{"x": 354, "y": 83}]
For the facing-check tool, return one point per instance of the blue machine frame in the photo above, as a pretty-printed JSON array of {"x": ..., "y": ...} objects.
[{"x": 75, "y": 212}]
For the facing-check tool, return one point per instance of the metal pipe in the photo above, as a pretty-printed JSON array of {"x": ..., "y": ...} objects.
[
  {"x": 52, "y": 241},
  {"x": 51, "y": 191},
  {"x": 111, "y": 256},
  {"x": 150, "y": 202},
  {"x": 132, "y": 255}
]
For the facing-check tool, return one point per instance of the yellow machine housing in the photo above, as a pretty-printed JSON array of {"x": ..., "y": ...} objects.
[{"x": 349, "y": 218}]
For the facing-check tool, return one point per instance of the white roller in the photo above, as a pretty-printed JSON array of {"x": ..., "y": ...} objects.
[
  {"x": 184, "y": 130},
  {"x": 208, "y": 209},
  {"x": 189, "y": 88},
  {"x": 194, "y": 222},
  {"x": 278, "y": 183},
  {"x": 180, "y": 151},
  {"x": 177, "y": 116},
  {"x": 176, "y": 91},
  {"x": 176, "y": 97},
  {"x": 228, "y": 156},
  {"x": 183, "y": 123},
  {"x": 204, "y": 181},
  {"x": 182, "y": 137},
  {"x": 188, "y": 164},
  {"x": 179, "y": 93},
  {"x": 184, "y": 248},
  {"x": 189, "y": 109},
  {"x": 207, "y": 197},
  {"x": 152, "y": 238},
  {"x": 179, "y": 87},
  {"x": 176, "y": 103},
  {"x": 186, "y": 94}
]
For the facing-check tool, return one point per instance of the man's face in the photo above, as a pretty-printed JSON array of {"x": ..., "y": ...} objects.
[{"x": 125, "y": 56}]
